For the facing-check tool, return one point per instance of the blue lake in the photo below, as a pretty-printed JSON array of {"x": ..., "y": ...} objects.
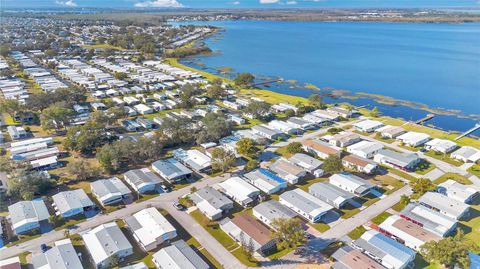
[{"x": 434, "y": 64}]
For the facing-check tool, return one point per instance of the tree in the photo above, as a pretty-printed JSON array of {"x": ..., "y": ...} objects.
[
  {"x": 55, "y": 117},
  {"x": 421, "y": 185},
  {"x": 244, "y": 80},
  {"x": 4, "y": 50},
  {"x": 25, "y": 184},
  {"x": 113, "y": 260},
  {"x": 289, "y": 233},
  {"x": 315, "y": 100},
  {"x": 216, "y": 91},
  {"x": 251, "y": 164},
  {"x": 120, "y": 75},
  {"x": 452, "y": 252},
  {"x": 10, "y": 106},
  {"x": 332, "y": 164},
  {"x": 222, "y": 159},
  {"x": 246, "y": 147},
  {"x": 294, "y": 147},
  {"x": 186, "y": 96},
  {"x": 374, "y": 112},
  {"x": 258, "y": 109},
  {"x": 85, "y": 139},
  {"x": 404, "y": 200},
  {"x": 214, "y": 127},
  {"x": 82, "y": 169},
  {"x": 177, "y": 131}
]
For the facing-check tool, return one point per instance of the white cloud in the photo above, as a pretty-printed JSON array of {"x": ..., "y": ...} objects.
[
  {"x": 68, "y": 3},
  {"x": 159, "y": 3},
  {"x": 236, "y": 3},
  {"x": 269, "y": 1},
  {"x": 291, "y": 2}
]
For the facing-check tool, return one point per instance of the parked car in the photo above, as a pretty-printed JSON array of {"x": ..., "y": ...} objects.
[
  {"x": 43, "y": 247},
  {"x": 178, "y": 206}
]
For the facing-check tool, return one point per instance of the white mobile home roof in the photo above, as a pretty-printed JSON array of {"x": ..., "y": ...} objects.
[
  {"x": 305, "y": 161},
  {"x": 61, "y": 256},
  {"x": 24, "y": 212},
  {"x": 445, "y": 204},
  {"x": 148, "y": 225},
  {"x": 105, "y": 189},
  {"x": 170, "y": 169},
  {"x": 179, "y": 256},
  {"x": 368, "y": 125},
  {"x": 273, "y": 209},
  {"x": 431, "y": 220},
  {"x": 32, "y": 141},
  {"x": 68, "y": 200},
  {"x": 305, "y": 202},
  {"x": 105, "y": 241},
  {"x": 239, "y": 189},
  {"x": 350, "y": 183},
  {"x": 457, "y": 191},
  {"x": 413, "y": 138},
  {"x": 467, "y": 153}
]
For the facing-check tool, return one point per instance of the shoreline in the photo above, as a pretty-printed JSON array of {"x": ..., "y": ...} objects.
[{"x": 275, "y": 98}]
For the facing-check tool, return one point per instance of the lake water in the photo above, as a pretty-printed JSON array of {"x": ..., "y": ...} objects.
[{"x": 434, "y": 64}]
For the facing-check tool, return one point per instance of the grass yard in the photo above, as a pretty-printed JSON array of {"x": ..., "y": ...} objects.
[
  {"x": 348, "y": 213},
  {"x": 401, "y": 174},
  {"x": 22, "y": 239},
  {"x": 371, "y": 202},
  {"x": 472, "y": 225},
  {"x": 386, "y": 140},
  {"x": 424, "y": 167},
  {"x": 304, "y": 185},
  {"x": 101, "y": 46},
  {"x": 475, "y": 169},
  {"x": 398, "y": 206},
  {"x": 458, "y": 178},
  {"x": 320, "y": 226},
  {"x": 443, "y": 157},
  {"x": 357, "y": 232},
  {"x": 224, "y": 239},
  {"x": 277, "y": 255},
  {"x": 381, "y": 218},
  {"x": 407, "y": 147},
  {"x": 389, "y": 183}
]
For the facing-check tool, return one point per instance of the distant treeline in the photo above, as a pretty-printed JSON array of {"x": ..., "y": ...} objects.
[{"x": 187, "y": 51}]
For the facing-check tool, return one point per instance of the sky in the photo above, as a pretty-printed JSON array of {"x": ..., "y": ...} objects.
[{"x": 237, "y": 3}]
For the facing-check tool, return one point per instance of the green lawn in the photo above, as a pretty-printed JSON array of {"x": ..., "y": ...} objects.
[
  {"x": 443, "y": 157},
  {"x": 381, "y": 218},
  {"x": 387, "y": 182},
  {"x": 401, "y": 174},
  {"x": 398, "y": 206},
  {"x": 348, "y": 213},
  {"x": 459, "y": 178},
  {"x": 371, "y": 201},
  {"x": 472, "y": 225},
  {"x": 320, "y": 226},
  {"x": 424, "y": 167},
  {"x": 304, "y": 185},
  {"x": 475, "y": 169},
  {"x": 22, "y": 239},
  {"x": 357, "y": 232},
  {"x": 386, "y": 140},
  {"x": 279, "y": 254},
  {"x": 224, "y": 239}
]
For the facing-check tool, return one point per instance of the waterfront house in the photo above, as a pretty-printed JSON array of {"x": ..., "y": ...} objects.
[
  {"x": 171, "y": 170},
  {"x": 368, "y": 126},
  {"x": 340, "y": 111},
  {"x": 458, "y": 191},
  {"x": 105, "y": 241},
  {"x": 71, "y": 203},
  {"x": 320, "y": 149},
  {"x": 265, "y": 180},
  {"x": 110, "y": 191},
  {"x": 211, "y": 202},
  {"x": 142, "y": 180},
  {"x": 385, "y": 250},
  {"x": 430, "y": 220},
  {"x": 324, "y": 114},
  {"x": 60, "y": 256},
  {"x": 365, "y": 149},
  {"x": 305, "y": 204},
  {"x": 178, "y": 255},
  {"x": 410, "y": 234},
  {"x": 331, "y": 194},
  {"x": 27, "y": 215},
  {"x": 402, "y": 161},
  {"x": 270, "y": 210},
  {"x": 288, "y": 171},
  {"x": 150, "y": 228},
  {"x": 441, "y": 145},
  {"x": 245, "y": 229},
  {"x": 359, "y": 164},
  {"x": 466, "y": 154},
  {"x": 390, "y": 132},
  {"x": 444, "y": 204},
  {"x": 351, "y": 183},
  {"x": 413, "y": 139}
]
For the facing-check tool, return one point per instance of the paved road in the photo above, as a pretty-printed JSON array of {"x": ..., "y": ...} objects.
[{"x": 50, "y": 237}]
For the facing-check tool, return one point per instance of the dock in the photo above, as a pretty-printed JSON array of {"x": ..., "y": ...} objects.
[
  {"x": 266, "y": 82},
  {"x": 473, "y": 129},
  {"x": 426, "y": 118}
]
